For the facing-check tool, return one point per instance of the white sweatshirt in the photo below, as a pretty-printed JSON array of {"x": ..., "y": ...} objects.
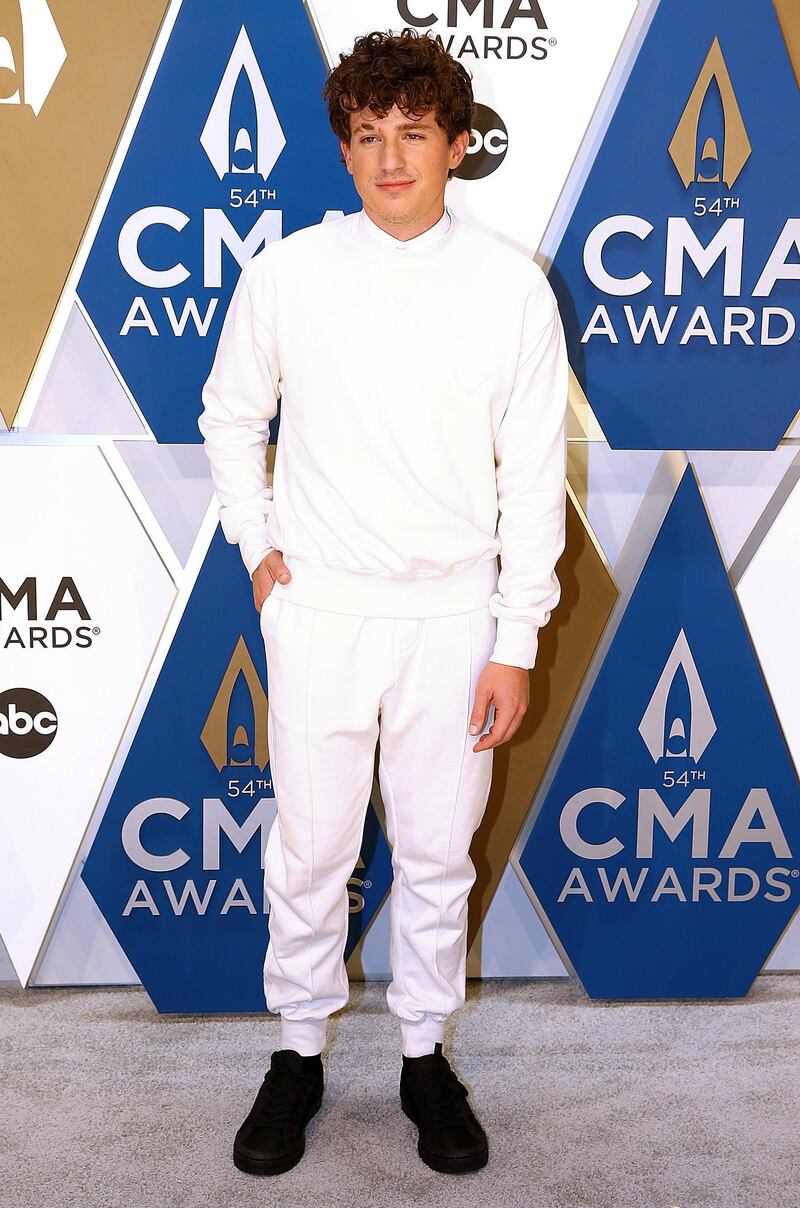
[{"x": 423, "y": 389}]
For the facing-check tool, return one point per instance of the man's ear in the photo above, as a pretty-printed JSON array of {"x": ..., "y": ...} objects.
[
  {"x": 459, "y": 147},
  {"x": 346, "y": 153}
]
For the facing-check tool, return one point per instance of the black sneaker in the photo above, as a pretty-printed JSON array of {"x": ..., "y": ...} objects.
[
  {"x": 272, "y": 1138},
  {"x": 450, "y": 1138}
]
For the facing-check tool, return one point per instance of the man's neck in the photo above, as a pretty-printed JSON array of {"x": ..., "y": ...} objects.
[{"x": 406, "y": 231}]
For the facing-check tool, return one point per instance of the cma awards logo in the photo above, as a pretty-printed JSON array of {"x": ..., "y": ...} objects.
[
  {"x": 676, "y": 728},
  {"x": 677, "y": 272},
  {"x": 703, "y": 155},
  {"x": 238, "y": 749},
  {"x": 678, "y": 724},
  {"x": 32, "y": 56},
  {"x": 665, "y": 851},
  {"x": 238, "y": 149},
  {"x": 31, "y": 620},
  {"x": 700, "y": 153},
  {"x": 510, "y": 29}
]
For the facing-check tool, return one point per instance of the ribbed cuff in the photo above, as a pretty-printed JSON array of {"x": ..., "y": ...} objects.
[
  {"x": 516, "y": 644},
  {"x": 419, "y": 1036},
  {"x": 254, "y": 545},
  {"x": 305, "y": 1036}
]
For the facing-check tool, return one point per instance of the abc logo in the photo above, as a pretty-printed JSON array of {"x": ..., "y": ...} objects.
[
  {"x": 487, "y": 147},
  {"x": 28, "y": 723}
]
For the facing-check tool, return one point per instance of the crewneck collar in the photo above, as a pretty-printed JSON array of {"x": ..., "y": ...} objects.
[
  {"x": 406, "y": 247},
  {"x": 422, "y": 254}
]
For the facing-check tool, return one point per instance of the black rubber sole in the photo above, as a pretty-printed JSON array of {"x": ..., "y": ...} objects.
[
  {"x": 267, "y": 1166},
  {"x": 440, "y": 1162}
]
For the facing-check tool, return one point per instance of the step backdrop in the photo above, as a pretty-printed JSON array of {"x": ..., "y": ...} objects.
[{"x": 643, "y": 829}]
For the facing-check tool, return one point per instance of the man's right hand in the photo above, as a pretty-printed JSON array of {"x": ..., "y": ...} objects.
[{"x": 269, "y": 569}]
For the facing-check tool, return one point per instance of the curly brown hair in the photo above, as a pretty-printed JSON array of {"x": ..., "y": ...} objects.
[{"x": 409, "y": 69}]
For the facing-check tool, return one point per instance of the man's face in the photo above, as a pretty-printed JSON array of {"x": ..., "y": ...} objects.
[{"x": 399, "y": 164}]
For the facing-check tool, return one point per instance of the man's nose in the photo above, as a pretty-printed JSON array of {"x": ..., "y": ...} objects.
[{"x": 392, "y": 158}]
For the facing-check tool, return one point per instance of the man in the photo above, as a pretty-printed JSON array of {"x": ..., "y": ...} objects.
[{"x": 422, "y": 373}]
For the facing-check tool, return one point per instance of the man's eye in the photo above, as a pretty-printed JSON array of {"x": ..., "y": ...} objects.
[{"x": 365, "y": 138}]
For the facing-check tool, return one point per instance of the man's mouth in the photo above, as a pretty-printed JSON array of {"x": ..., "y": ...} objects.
[{"x": 394, "y": 184}]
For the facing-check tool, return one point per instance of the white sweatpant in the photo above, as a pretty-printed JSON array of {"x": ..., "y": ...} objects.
[{"x": 336, "y": 682}]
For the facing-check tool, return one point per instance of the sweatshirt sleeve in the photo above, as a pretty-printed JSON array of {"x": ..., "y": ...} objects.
[
  {"x": 239, "y": 398},
  {"x": 530, "y": 459}
]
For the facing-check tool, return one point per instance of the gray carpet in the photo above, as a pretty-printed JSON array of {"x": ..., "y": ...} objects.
[{"x": 596, "y": 1104}]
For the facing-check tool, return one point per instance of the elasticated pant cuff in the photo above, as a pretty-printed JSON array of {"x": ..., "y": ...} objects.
[
  {"x": 305, "y": 1036},
  {"x": 419, "y": 1037}
]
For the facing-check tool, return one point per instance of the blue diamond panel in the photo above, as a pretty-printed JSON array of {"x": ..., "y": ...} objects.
[
  {"x": 665, "y": 853},
  {"x": 678, "y": 275},
  {"x": 175, "y": 866},
  {"x": 233, "y": 148}
]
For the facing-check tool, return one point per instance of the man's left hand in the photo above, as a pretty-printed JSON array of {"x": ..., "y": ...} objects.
[{"x": 508, "y": 689}]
